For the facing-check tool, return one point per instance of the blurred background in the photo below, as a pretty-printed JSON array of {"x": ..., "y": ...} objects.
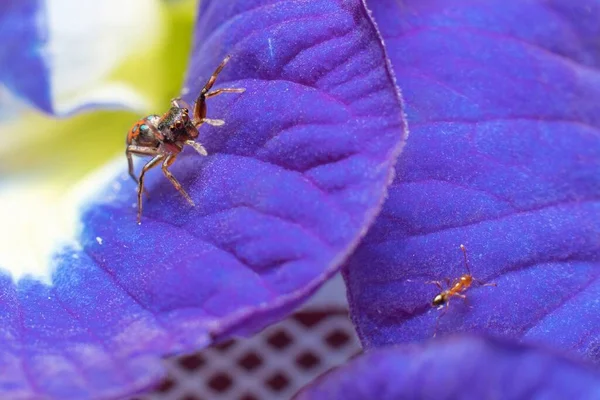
[
  {"x": 75, "y": 75},
  {"x": 147, "y": 56}
]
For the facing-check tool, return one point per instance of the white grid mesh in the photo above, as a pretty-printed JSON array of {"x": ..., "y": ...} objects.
[{"x": 273, "y": 364}]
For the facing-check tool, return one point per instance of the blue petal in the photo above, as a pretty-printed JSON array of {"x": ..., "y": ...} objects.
[
  {"x": 53, "y": 54},
  {"x": 457, "y": 368},
  {"x": 503, "y": 104},
  {"x": 292, "y": 181},
  {"x": 23, "y": 68}
]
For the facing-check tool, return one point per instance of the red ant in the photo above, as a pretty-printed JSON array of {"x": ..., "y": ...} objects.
[
  {"x": 460, "y": 285},
  {"x": 164, "y": 137}
]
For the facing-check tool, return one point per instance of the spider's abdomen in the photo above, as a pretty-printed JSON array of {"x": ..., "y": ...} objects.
[{"x": 141, "y": 134}]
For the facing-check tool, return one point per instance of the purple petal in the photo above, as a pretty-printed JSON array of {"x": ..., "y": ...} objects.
[
  {"x": 291, "y": 183},
  {"x": 52, "y": 54},
  {"x": 457, "y": 368},
  {"x": 503, "y": 104},
  {"x": 22, "y": 66}
]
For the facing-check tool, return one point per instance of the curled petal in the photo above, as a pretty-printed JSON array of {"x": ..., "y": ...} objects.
[{"x": 457, "y": 368}]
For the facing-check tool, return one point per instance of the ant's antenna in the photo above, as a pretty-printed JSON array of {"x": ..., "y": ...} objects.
[{"x": 464, "y": 250}]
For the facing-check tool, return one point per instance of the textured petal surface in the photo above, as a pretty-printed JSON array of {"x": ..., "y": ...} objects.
[
  {"x": 291, "y": 183},
  {"x": 459, "y": 368},
  {"x": 503, "y": 105}
]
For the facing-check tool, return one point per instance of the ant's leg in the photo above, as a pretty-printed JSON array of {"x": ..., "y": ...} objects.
[
  {"x": 481, "y": 283},
  {"x": 462, "y": 296},
  {"x": 436, "y": 283},
  {"x": 166, "y": 164},
  {"x": 197, "y": 146},
  {"x": 437, "y": 321},
  {"x": 150, "y": 164}
]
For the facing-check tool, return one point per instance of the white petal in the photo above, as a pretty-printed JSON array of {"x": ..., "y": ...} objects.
[
  {"x": 39, "y": 220},
  {"x": 87, "y": 40}
]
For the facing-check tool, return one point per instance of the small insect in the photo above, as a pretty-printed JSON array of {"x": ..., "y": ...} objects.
[
  {"x": 456, "y": 288},
  {"x": 164, "y": 137}
]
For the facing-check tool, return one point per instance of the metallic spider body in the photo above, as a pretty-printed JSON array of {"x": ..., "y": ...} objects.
[{"x": 164, "y": 137}]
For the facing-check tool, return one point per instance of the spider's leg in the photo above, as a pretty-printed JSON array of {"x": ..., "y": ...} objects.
[
  {"x": 180, "y": 103},
  {"x": 166, "y": 164},
  {"x": 140, "y": 151},
  {"x": 210, "y": 121},
  {"x": 197, "y": 146},
  {"x": 224, "y": 90},
  {"x": 150, "y": 164},
  {"x": 128, "y": 154},
  {"x": 200, "y": 104},
  {"x": 215, "y": 122}
]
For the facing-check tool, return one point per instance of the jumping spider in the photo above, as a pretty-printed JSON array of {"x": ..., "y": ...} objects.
[{"x": 164, "y": 137}]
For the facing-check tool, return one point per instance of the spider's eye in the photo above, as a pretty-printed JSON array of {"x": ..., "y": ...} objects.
[
  {"x": 178, "y": 124},
  {"x": 186, "y": 111}
]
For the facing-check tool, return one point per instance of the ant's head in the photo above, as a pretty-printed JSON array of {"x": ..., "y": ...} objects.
[
  {"x": 439, "y": 300},
  {"x": 142, "y": 134}
]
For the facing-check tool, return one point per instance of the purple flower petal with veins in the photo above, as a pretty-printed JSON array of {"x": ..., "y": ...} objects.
[
  {"x": 292, "y": 182},
  {"x": 503, "y": 104},
  {"x": 462, "y": 368}
]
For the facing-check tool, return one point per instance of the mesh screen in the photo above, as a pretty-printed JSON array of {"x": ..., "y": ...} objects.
[{"x": 273, "y": 364}]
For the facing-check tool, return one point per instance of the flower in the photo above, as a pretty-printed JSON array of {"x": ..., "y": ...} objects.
[
  {"x": 291, "y": 183},
  {"x": 503, "y": 104},
  {"x": 503, "y": 158}
]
